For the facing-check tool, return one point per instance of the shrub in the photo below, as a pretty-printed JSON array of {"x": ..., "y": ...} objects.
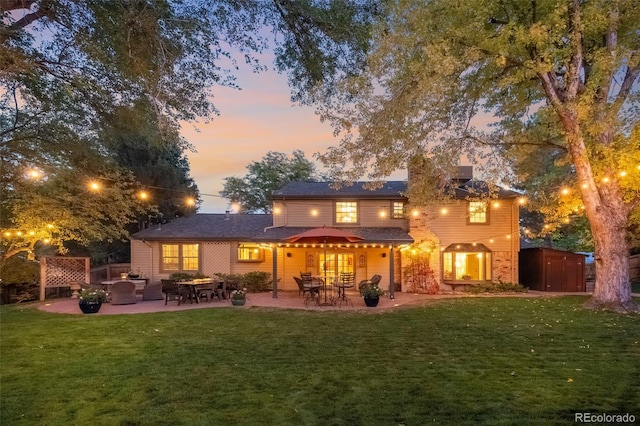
[
  {"x": 256, "y": 281},
  {"x": 253, "y": 282},
  {"x": 186, "y": 276}
]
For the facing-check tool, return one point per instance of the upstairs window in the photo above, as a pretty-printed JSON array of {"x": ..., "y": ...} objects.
[
  {"x": 398, "y": 210},
  {"x": 250, "y": 253},
  {"x": 180, "y": 257},
  {"x": 346, "y": 212},
  {"x": 478, "y": 212}
]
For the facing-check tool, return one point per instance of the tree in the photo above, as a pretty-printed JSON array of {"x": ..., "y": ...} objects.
[
  {"x": 253, "y": 191},
  {"x": 560, "y": 80},
  {"x": 68, "y": 67}
]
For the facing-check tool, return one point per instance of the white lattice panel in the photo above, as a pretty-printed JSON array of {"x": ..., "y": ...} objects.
[{"x": 60, "y": 271}]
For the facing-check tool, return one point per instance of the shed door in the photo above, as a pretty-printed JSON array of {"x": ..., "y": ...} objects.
[
  {"x": 573, "y": 275},
  {"x": 553, "y": 278}
]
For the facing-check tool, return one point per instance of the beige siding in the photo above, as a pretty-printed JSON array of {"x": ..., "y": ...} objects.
[
  {"x": 452, "y": 227},
  {"x": 438, "y": 230},
  {"x": 299, "y": 213},
  {"x": 216, "y": 258},
  {"x": 142, "y": 258}
]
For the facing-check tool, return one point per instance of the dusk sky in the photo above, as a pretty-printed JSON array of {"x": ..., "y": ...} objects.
[{"x": 253, "y": 121}]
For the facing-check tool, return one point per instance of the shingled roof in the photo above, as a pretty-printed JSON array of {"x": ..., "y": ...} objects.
[
  {"x": 250, "y": 227},
  {"x": 204, "y": 226},
  {"x": 323, "y": 190},
  {"x": 463, "y": 189}
]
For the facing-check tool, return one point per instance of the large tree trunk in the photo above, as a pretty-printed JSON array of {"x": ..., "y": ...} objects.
[
  {"x": 607, "y": 214},
  {"x": 613, "y": 289}
]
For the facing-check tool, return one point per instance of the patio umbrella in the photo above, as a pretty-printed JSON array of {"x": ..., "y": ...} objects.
[{"x": 324, "y": 235}]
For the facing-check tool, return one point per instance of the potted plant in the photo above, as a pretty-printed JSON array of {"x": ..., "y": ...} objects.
[
  {"x": 239, "y": 297},
  {"x": 371, "y": 294},
  {"x": 91, "y": 300}
]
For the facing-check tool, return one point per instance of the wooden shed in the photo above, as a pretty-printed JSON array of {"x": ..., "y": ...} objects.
[{"x": 547, "y": 269}]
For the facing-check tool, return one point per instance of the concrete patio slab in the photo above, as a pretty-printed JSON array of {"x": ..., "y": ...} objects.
[{"x": 285, "y": 300}]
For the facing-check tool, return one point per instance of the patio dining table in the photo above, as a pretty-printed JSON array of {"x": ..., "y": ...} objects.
[{"x": 199, "y": 284}]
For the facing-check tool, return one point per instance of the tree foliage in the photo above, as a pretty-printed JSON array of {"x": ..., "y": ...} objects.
[
  {"x": 72, "y": 72},
  {"x": 557, "y": 84},
  {"x": 253, "y": 191}
]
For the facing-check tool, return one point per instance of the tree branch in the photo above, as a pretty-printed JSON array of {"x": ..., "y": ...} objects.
[
  {"x": 545, "y": 143},
  {"x": 575, "y": 41}
]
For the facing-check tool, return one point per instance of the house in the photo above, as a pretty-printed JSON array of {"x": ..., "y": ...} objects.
[{"x": 461, "y": 242}]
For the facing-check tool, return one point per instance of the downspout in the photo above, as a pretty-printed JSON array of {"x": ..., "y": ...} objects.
[
  {"x": 392, "y": 285},
  {"x": 274, "y": 255},
  {"x": 150, "y": 264}
]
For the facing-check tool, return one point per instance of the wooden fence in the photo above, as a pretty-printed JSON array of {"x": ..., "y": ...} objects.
[{"x": 108, "y": 272}]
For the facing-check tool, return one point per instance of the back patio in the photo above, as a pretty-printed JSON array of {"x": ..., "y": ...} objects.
[{"x": 285, "y": 300}]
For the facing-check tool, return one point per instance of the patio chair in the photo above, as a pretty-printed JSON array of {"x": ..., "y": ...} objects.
[
  {"x": 346, "y": 281},
  {"x": 301, "y": 287},
  {"x": 123, "y": 293},
  {"x": 230, "y": 285},
  {"x": 172, "y": 290},
  {"x": 373, "y": 281},
  {"x": 221, "y": 290},
  {"x": 207, "y": 291},
  {"x": 152, "y": 291}
]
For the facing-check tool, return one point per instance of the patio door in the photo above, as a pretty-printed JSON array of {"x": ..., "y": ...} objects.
[{"x": 337, "y": 263}]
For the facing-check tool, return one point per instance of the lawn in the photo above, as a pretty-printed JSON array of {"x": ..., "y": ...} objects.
[{"x": 459, "y": 361}]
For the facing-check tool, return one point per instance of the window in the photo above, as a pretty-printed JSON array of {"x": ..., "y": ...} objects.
[
  {"x": 180, "y": 257},
  {"x": 346, "y": 212},
  {"x": 398, "y": 210},
  {"x": 250, "y": 253},
  {"x": 466, "y": 262},
  {"x": 478, "y": 212}
]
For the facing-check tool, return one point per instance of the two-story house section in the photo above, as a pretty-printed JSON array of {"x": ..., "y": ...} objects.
[
  {"x": 377, "y": 216},
  {"x": 473, "y": 237},
  {"x": 469, "y": 239}
]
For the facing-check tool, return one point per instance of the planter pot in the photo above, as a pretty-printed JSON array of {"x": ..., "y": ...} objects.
[
  {"x": 238, "y": 302},
  {"x": 371, "y": 302},
  {"x": 89, "y": 307}
]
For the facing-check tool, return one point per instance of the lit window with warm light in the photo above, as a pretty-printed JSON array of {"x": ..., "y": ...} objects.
[
  {"x": 478, "y": 212},
  {"x": 464, "y": 262},
  {"x": 179, "y": 257},
  {"x": 346, "y": 212},
  {"x": 250, "y": 253},
  {"x": 398, "y": 209}
]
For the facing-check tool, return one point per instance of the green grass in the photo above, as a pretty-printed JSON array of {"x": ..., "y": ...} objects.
[{"x": 459, "y": 361}]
